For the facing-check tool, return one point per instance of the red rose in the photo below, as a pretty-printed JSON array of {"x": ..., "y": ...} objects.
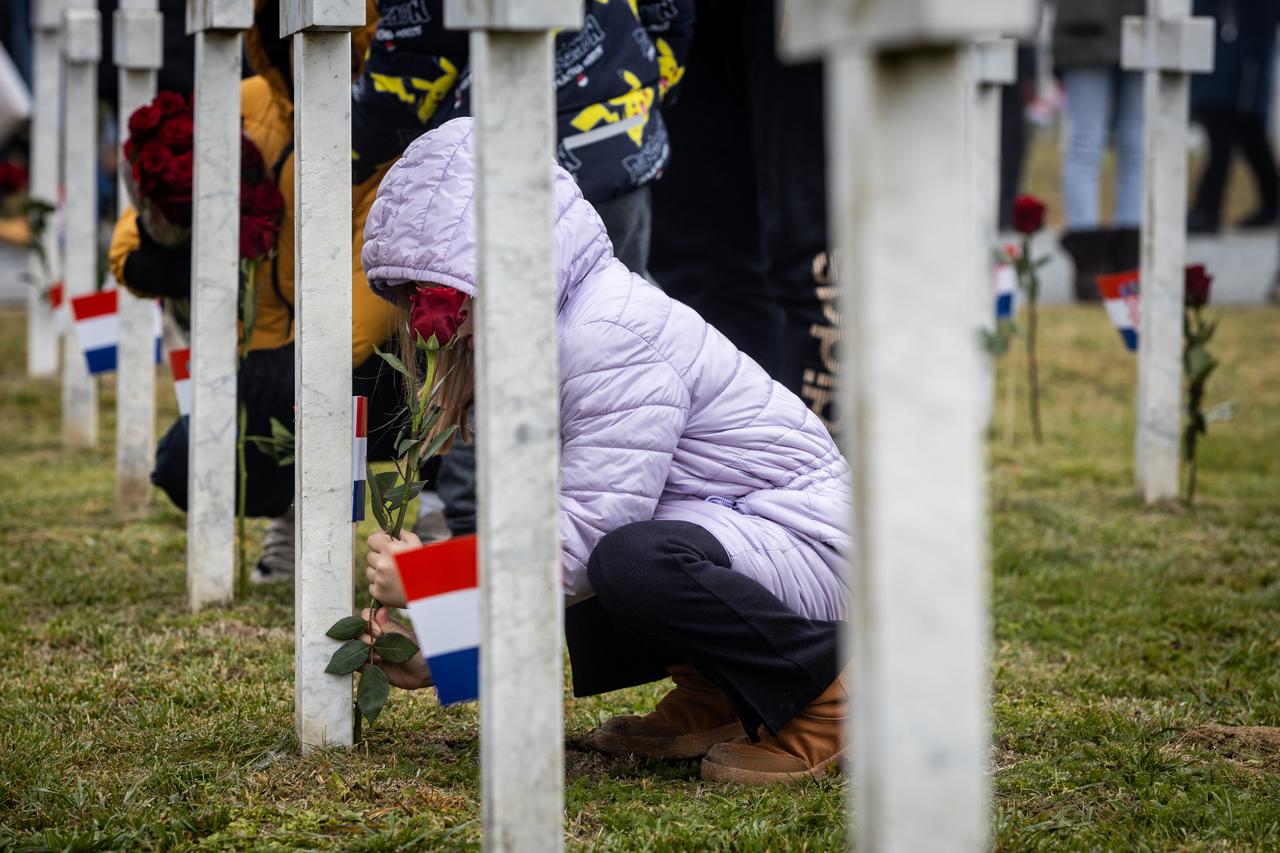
[
  {"x": 265, "y": 201},
  {"x": 146, "y": 181},
  {"x": 153, "y": 158},
  {"x": 169, "y": 104},
  {"x": 438, "y": 313},
  {"x": 257, "y": 237},
  {"x": 178, "y": 172},
  {"x": 1028, "y": 214},
  {"x": 1197, "y": 281},
  {"x": 13, "y": 178},
  {"x": 177, "y": 134},
  {"x": 144, "y": 122}
]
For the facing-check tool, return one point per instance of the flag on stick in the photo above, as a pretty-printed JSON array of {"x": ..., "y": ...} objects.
[
  {"x": 359, "y": 454},
  {"x": 180, "y": 365},
  {"x": 58, "y": 305},
  {"x": 441, "y": 586},
  {"x": 1120, "y": 296},
  {"x": 97, "y": 329},
  {"x": 1006, "y": 291}
]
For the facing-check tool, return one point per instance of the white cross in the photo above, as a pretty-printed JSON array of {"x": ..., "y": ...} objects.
[
  {"x": 321, "y": 32},
  {"x": 518, "y": 419},
  {"x": 46, "y": 119},
  {"x": 992, "y": 65},
  {"x": 81, "y": 49},
  {"x": 902, "y": 219},
  {"x": 138, "y": 53},
  {"x": 215, "y": 228},
  {"x": 1167, "y": 46}
]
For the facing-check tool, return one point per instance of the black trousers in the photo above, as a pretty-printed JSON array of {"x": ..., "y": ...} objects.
[
  {"x": 1227, "y": 129},
  {"x": 265, "y": 386},
  {"x": 664, "y": 595},
  {"x": 739, "y": 224}
]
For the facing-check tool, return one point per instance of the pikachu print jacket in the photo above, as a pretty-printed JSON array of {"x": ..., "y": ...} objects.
[{"x": 611, "y": 78}]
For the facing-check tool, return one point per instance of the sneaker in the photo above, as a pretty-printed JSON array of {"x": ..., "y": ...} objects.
[
  {"x": 276, "y": 563},
  {"x": 687, "y": 722}
]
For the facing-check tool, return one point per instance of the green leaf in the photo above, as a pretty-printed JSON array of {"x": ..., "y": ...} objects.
[
  {"x": 396, "y": 364},
  {"x": 280, "y": 432},
  {"x": 371, "y": 695},
  {"x": 439, "y": 441},
  {"x": 379, "y": 504},
  {"x": 349, "y": 657},
  {"x": 397, "y": 496},
  {"x": 408, "y": 444},
  {"x": 396, "y": 648},
  {"x": 346, "y": 628},
  {"x": 285, "y": 461}
]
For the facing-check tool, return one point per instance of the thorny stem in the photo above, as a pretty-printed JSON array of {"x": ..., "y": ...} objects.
[
  {"x": 250, "y": 269},
  {"x": 1033, "y": 369},
  {"x": 411, "y": 466}
]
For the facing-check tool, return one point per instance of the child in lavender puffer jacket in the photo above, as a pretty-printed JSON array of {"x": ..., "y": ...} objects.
[{"x": 704, "y": 509}]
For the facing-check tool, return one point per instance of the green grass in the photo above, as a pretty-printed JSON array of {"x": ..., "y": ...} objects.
[{"x": 1120, "y": 631}]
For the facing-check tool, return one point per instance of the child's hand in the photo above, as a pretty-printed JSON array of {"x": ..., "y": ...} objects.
[
  {"x": 410, "y": 675},
  {"x": 384, "y": 580}
]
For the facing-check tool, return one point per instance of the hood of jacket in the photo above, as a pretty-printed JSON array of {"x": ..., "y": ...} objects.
[{"x": 422, "y": 224}]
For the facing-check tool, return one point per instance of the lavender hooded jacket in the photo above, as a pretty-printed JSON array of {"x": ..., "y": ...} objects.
[{"x": 661, "y": 417}]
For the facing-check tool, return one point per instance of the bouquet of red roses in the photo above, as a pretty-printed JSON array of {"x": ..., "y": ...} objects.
[{"x": 161, "y": 164}]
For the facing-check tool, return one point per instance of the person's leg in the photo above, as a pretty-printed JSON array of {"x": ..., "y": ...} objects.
[
  {"x": 1251, "y": 131},
  {"x": 786, "y": 107},
  {"x": 1128, "y": 144},
  {"x": 629, "y": 219},
  {"x": 706, "y": 233},
  {"x": 1088, "y": 108},
  {"x": 1205, "y": 215},
  {"x": 669, "y": 585}
]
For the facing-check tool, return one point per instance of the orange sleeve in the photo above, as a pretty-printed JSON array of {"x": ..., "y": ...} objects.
[
  {"x": 124, "y": 240},
  {"x": 373, "y": 319}
]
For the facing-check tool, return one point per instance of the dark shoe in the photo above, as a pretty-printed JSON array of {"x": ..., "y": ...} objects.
[
  {"x": 810, "y": 746},
  {"x": 1091, "y": 251},
  {"x": 1263, "y": 217},
  {"x": 688, "y": 721},
  {"x": 1126, "y": 249},
  {"x": 1199, "y": 222}
]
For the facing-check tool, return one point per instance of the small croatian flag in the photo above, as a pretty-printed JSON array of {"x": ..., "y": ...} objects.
[
  {"x": 440, "y": 584},
  {"x": 359, "y": 453},
  {"x": 1120, "y": 296},
  {"x": 1006, "y": 291},
  {"x": 58, "y": 305},
  {"x": 97, "y": 329},
  {"x": 180, "y": 364}
]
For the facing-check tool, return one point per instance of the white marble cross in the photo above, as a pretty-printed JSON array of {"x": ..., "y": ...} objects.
[
  {"x": 138, "y": 43},
  {"x": 518, "y": 419},
  {"x": 321, "y": 35},
  {"x": 992, "y": 65},
  {"x": 215, "y": 228},
  {"x": 46, "y": 120},
  {"x": 902, "y": 218},
  {"x": 81, "y": 50},
  {"x": 1167, "y": 45}
]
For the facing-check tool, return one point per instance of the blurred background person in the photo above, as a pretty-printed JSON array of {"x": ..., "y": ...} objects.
[
  {"x": 1103, "y": 104},
  {"x": 1233, "y": 105}
]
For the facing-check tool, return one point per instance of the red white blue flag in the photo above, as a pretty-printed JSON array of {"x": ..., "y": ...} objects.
[
  {"x": 97, "y": 324},
  {"x": 359, "y": 455},
  {"x": 441, "y": 585},
  {"x": 180, "y": 364},
  {"x": 1006, "y": 291},
  {"x": 1120, "y": 296}
]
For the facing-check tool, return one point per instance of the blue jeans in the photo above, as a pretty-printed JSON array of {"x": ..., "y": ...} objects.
[{"x": 1102, "y": 100}]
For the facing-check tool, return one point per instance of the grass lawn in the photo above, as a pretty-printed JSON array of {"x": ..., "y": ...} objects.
[{"x": 1126, "y": 639}]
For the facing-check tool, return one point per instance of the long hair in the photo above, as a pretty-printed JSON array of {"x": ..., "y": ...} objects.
[{"x": 455, "y": 373}]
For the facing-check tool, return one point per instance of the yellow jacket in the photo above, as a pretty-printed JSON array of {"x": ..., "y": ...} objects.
[{"x": 267, "y": 113}]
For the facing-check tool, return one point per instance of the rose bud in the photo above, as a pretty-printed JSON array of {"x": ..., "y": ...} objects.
[{"x": 1028, "y": 214}]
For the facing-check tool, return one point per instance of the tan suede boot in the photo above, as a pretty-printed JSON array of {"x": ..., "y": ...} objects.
[
  {"x": 809, "y": 747},
  {"x": 688, "y": 721}
]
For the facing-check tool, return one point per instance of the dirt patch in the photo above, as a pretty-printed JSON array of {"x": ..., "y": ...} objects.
[{"x": 1248, "y": 744}]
